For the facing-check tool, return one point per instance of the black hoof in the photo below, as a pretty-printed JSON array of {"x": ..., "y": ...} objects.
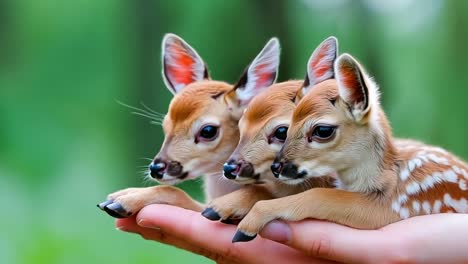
[
  {"x": 104, "y": 204},
  {"x": 116, "y": 210},
  {"x": 211, "y": 214},
  {"x": 229, "y": 221},
  {"x": 241, "y": 237}
]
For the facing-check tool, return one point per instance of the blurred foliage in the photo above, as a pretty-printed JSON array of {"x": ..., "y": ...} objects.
[{"x": 65, "y": 142}]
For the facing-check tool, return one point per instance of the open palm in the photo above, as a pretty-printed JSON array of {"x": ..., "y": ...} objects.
[{"x": 424, "y": 239}]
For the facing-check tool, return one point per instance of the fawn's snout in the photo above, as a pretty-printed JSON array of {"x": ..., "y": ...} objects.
[
  {"x": 286, "y": 170},
  {"x": 160, "y": 167},
  {"x": 239, "y": 170}
]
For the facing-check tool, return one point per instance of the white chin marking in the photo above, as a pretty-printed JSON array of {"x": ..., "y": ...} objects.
[
  {"x": 290, "y": 181},
  {"x": 244, "y": 180},
  {"x": 169, "y": 180}
]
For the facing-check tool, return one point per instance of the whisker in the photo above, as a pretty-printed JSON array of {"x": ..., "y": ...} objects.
[
  {"x": 151, "y": 110},
  {"x": 156, "y": 123},
  {"x": 135, "y": 108},
  {"x": 142, "y": 112},
  {"x": 146, "y": 181},
  {"x": 154, "y": 117},
  {"x": 147, "y": 116}
]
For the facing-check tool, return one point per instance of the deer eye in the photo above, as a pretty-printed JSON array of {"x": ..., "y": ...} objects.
[
  {"x": 279, "y": 135},
  {"x": 322, "y": 133},
  {"x": 207, "y": 133}
]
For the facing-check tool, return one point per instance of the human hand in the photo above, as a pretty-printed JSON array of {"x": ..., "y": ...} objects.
[
  {"x": 438, "y": 238},
  {"x": 190, "y": 231}
]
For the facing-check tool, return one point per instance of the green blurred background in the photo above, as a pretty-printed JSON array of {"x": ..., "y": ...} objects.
[{"x": 65, "y": 142}]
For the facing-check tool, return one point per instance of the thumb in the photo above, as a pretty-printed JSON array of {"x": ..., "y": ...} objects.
[{"x": 328, "y": 240}]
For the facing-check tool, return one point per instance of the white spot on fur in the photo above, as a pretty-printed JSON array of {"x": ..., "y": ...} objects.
[
  {"x": 404, "y": 174},
  {"x": 403, "y": 198},
  {"x": 450, "y": 176},
  {"x": 456, "y": 169},
  {"x": 462, "y": 184},
  {"x": 414, "y": 163},
  {"x": 417, "y": 162},
  {"x": 437, "y": 159},
  {"x": 430, "y": 180},
  {"x": 460, "y": 206},
  {"x": 438, "y": 177},
  {"x": 413, "y": 188},
  {"x": 447, "y": 199},
  {"x": 396, "y": 206},
  {"x": 404, "y": 213},
  {"x": 424, "y": 158},
  {"x": 416, "y": 207},
  {"x": 426, "y": 207},
  {"x": 437, "y": 206}
]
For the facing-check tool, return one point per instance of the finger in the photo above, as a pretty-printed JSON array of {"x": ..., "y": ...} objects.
[
  {"x": 213, "y": 236},
  {"x": 327, "y": 240},
  {"x": 130, "y": 225}
]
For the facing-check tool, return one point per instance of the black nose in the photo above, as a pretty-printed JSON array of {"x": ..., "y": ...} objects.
[
  {"x": 290, "y": 170},
  {"x": 229, "y": 168},
  {"x": 157, "y": 169},
  {"x": 276, "y": 168}
]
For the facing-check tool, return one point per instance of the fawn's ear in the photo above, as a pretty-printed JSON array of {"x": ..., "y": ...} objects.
[
  {"x": 353, "y": 86},
  {"x": 320, "y": 65},
  {"x": 181, "y": 64},
  {"x": 260, "y": 74}
]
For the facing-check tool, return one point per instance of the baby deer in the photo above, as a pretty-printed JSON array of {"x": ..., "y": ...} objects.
[
  {"x": 263, "y": 129},
  {"x": 200, "y": 127},
  {"x": 339, "y": 127}
]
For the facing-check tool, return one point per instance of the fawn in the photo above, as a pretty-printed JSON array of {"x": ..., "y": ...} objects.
[
  {"x": 263, "y": 129},
  {"x": 339, "y": 127},
  {"x": 200, "y": 128}
]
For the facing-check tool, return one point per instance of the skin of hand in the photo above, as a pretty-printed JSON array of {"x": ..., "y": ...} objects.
[
  {"x": 424, "y": 239},
  {"x": 190, "y": 231},
  {"x": 437, "y": 238}
]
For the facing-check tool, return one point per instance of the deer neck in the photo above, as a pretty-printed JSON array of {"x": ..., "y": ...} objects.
[
  {"x": 373, "y": 161},
  {"x": 216, "y": 185}
]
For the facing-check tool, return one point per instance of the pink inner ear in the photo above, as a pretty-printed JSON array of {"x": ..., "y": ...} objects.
[
  {"x": 264, "y": 77},
  {"x": 320, "y": 65},
  {"x": 180, "y": 67},
  {"x": 350, "y": 81}
]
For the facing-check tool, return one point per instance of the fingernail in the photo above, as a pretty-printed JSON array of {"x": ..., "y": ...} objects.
[
  {"x": 147, "y": 224},
  {"x": 120, "y": 228},
  {"x": 277, "y": 231}
]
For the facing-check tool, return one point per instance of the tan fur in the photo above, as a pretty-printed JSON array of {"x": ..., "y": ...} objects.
[
  {"x": 199, "y": 102},
  {"x": 195, "y": 98},
  {"x": 193, "y": 103},
  {"x": 375, "y": 189},
  {"x": 265, "y": 112}
]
